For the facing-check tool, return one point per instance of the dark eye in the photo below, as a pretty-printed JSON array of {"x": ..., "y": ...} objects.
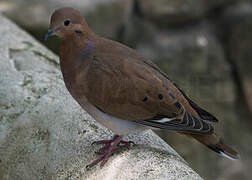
[{"x": 67, "y": 22}]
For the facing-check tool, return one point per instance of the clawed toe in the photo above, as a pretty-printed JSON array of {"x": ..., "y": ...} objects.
[{"x": 110, "y": 147}]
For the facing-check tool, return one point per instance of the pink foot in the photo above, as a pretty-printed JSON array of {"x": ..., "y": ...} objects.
[{"x": 110, "y": 147}]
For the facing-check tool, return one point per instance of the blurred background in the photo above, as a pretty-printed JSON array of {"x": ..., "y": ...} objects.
[{"x": 203, "y": 45}]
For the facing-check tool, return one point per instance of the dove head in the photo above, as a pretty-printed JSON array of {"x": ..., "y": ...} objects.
[{"x": 67, "y": 22}]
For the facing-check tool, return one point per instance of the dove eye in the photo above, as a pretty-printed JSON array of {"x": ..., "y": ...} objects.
[{"x": 67, "y": 22}]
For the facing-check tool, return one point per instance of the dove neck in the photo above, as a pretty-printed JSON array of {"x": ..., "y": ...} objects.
[
  {"x": 77, "y": 47},
  {"x": 74, "y": 54}
]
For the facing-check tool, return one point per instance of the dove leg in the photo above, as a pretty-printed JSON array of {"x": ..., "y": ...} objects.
[{"x": 111, "y": 146}]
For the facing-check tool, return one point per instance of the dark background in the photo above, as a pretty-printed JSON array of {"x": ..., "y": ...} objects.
[{"x": 205, "y": 46}]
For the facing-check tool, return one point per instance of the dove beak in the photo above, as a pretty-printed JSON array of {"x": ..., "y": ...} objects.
[{"x": 51, "y": 32}]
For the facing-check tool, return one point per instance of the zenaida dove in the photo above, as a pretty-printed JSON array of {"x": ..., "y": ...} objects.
[{"x": 123, "y": 91}]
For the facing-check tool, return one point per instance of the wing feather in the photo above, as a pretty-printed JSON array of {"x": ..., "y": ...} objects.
[
  {"x": 187, "y": 124},
  {"x": 183, "y": 122}
]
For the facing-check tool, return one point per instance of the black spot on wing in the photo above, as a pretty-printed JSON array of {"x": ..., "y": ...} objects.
[
  {"x": 178, "y": 105},
  {"x": 79, "y": 32},
  {"x": 171, "y": 95},
  {"x": 160, "y": 96},
  {"x": 145, "y": 98}
]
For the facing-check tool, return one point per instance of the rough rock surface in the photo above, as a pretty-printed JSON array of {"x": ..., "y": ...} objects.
[{"x": 44, "y": 134}]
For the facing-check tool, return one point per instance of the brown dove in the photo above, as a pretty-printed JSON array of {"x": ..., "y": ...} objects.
[{"x": 123, "y": 91}]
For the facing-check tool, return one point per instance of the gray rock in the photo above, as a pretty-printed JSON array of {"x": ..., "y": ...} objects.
[
  {"x": 44, "y": 134},
  {"x": 178, "y": 11}
]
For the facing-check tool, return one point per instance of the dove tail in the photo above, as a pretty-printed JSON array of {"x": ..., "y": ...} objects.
[{"x": 217, "y": 145}]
